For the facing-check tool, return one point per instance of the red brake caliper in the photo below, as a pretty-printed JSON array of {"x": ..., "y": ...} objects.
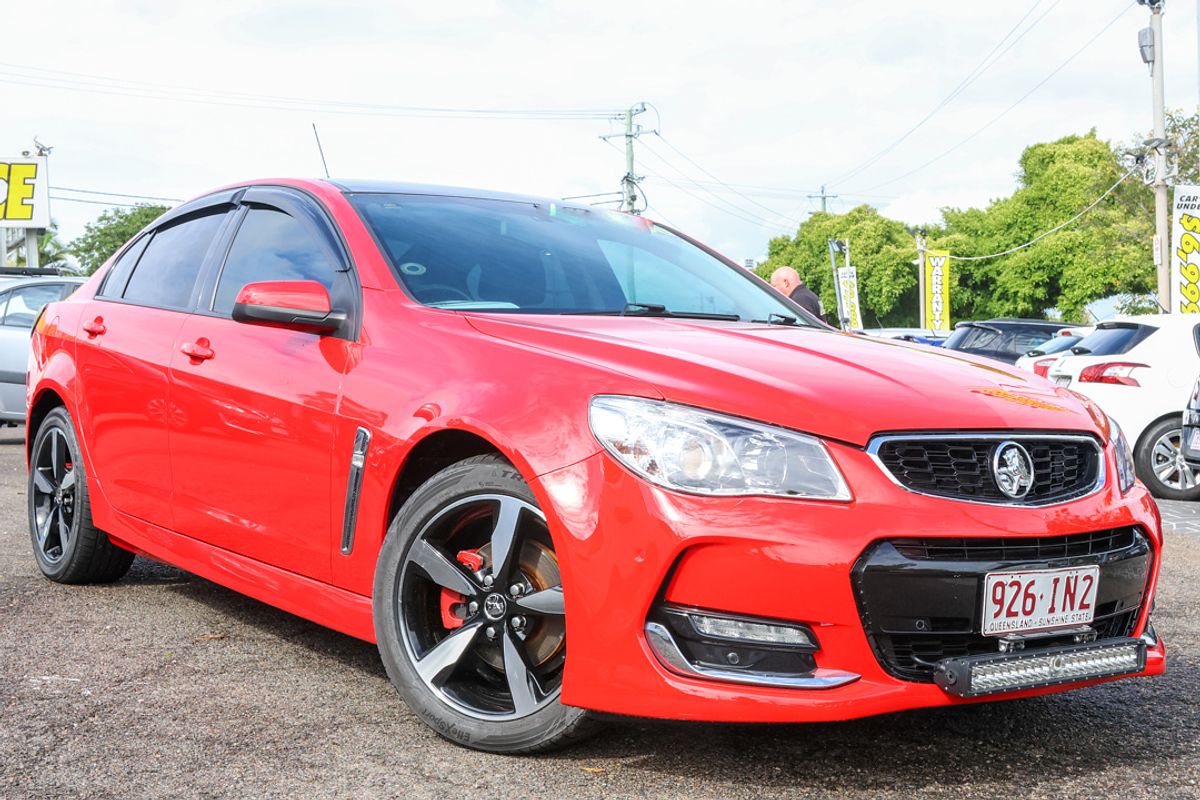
[{"x": 453, "y": 604}]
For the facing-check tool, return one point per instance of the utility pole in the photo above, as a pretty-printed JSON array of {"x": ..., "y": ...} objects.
[
  {"x": 629, "y": 180},
  {"x": 825, "y": 196},
  {"x": 1150, "y": 41},
  {"x": 918, "y": 235}
]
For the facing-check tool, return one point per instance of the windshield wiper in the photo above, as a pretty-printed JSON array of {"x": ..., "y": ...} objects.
[
  {"x": 1080, "y": 351},
  {"x": 657, "y": 310},
  {"x": 776, "y": 319}
]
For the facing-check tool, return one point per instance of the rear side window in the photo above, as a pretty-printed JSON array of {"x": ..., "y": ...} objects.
[
  {"x": 118, "y": 274},
  {"x": 1113, "y": 340},
  {"x": 26, "y": 303},
  {"x": 167, "y": 271},
  {"x": 273, "y": 246}
]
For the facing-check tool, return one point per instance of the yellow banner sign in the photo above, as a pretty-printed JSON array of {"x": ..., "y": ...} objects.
[
  {"x": 1185, "y": 261},
  {"x": 936, "y": 302},
  {"x": 24, "y": 193}
]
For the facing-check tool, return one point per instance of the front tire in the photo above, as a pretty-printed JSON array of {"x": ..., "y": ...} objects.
[
  {"x": 1160, "y": 465},
  {"x": 67, "y": 546},
  {"x": 469, "y": 612}
]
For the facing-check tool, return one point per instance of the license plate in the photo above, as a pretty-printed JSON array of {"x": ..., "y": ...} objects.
[
  {"x": 1062, "y": 380},
  {"x": 1019, "y": 602},
  {"x": 1194, "y": 440}
]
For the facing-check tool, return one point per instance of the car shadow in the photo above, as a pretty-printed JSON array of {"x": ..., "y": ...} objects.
[
  {"x": 266, "y": 619},
  {"x": 1074, "y": 735},
  {"x": 10, "y": 436}
]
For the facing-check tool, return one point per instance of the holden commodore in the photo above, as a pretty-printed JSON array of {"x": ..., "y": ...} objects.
[{"x": 556, "y": 460}]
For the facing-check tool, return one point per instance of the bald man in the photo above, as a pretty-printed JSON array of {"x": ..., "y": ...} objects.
[{"x": 788, "y": 281}]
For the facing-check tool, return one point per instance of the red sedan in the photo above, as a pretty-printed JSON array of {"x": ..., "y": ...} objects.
[{"x": 557, "y": 460}]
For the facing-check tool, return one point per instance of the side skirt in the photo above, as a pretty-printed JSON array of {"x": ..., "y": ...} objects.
[{"x": 335, "y": 608}]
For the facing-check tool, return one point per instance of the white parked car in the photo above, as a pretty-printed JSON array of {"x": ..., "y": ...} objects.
[
  {"x": 1140, "y": 370},
  {"x": 1040, "y": 358}
]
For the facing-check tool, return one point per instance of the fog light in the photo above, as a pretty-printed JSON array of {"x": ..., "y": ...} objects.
[
  {"x": 750, "y": 631},
  {"x": 990, "y": 674}
]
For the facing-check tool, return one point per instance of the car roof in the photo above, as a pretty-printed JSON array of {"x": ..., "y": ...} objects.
[
  {"x": 1013, "y": 322},
  {"x": 354, "y": 186},
  {"x": 10, "y": 281},
  {"x": 1157, "y": 320}
]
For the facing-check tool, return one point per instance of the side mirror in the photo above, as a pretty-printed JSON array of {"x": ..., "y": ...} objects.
[{"x": 299, "y": 305}]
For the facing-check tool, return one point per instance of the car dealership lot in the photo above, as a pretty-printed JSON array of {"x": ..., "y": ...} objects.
[{"x": 164, "y": 684}]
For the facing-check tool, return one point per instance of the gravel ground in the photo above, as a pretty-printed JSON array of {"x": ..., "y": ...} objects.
[{"x": 168, "y": 685}]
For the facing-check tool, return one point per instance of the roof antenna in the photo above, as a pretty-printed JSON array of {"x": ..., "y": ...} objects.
[{"x": 320, "y": 149}]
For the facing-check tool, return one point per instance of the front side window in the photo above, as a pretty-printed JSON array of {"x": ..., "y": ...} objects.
[
  {"x": 273, "y": 246},
  {"x": 545, "y": 258},
  {"x": 26, "y": 303},
  {"x": 118, "y": 274},
  {"x": 166, "y": 273}
]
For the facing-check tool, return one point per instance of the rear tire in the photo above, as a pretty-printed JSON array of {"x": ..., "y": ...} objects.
[
  {"x": 1160, "y": 466},
  {"x": 67, "y": 546},
  {"x": 497, "y": 692}
]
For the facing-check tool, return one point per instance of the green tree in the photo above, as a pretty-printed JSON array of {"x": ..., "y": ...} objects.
[
  {"x": 111, "y": 229},
  {"x": 1105, "y": 252},
  {"x": 52, "y": 253},
  {"x": 880, "y": 249}
]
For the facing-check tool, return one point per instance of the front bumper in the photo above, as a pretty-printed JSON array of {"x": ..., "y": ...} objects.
[{"x": 626, "y": 546}]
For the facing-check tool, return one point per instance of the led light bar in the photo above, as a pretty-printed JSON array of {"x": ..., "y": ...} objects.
[{"x": 989, "y": 674}]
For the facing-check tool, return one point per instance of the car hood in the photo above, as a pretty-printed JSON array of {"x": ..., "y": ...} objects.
[{"x": 836, "y": 385}]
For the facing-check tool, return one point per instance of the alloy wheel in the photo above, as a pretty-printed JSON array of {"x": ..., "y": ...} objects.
[
  {"x": 53, "y": 495},
  {"x": 481, "y": 611},
  {"x": 1166, "y": 459}
]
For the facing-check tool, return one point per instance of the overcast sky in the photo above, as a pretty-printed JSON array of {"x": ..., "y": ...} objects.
[{"x": 782, "y": 95}]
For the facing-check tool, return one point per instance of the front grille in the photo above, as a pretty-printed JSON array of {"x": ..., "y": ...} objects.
[
  {"x": 920, "y": 599},
  {"x": 960, "y": 466},
  {"x": 1015, "y": 549}
]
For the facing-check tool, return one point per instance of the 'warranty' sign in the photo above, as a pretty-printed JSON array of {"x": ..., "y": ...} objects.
[{"x": 936, "y": 301}]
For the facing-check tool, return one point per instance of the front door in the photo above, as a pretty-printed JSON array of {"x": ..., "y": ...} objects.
[{"x": 252, "y": 466}]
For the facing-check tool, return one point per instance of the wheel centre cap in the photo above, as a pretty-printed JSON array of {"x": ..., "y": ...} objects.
[{"x": 494, "y": 606}]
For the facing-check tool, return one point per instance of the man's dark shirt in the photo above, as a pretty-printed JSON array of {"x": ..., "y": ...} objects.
[{"x": 807, "y": 299}]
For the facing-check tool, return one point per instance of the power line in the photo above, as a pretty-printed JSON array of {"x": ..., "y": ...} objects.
[
  {"x": 685, "y": 157},
  {"x": 94, "y": 202},
  {"x": 94, "y": 84},
  {"x": 1056, "y": 228},
  {"x": 971, "y": 77},
  {"x": 1003, "y": 113},
  {"x": 721, "y": 205},
  {"x": 117, "y": 194}
]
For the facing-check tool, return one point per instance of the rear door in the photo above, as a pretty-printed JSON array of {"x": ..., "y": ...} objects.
[
  {"x": 124, "y": 350},
  {"x": 252, "y": 467}
]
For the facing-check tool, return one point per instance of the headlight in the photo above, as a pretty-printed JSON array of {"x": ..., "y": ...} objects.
[
  {"x": 691, "y": 450},
  {"x": 1125, "y": 474}
]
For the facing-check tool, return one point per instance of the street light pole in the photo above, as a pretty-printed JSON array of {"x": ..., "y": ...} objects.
[{"x": 1162, "y": 220}]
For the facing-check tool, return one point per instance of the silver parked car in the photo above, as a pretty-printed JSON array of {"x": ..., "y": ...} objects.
[{"x": 21, "y": 300}]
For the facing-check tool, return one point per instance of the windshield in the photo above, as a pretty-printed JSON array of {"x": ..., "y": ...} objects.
[
  {"x": 1064, "y": 341},
  {"x": 511, "y": 256},
  {"x": 991, "y": 340},
  {"x": 1113, "y": 341}
]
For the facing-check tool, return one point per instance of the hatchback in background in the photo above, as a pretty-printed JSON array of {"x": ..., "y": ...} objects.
[
  {"x": 1002, "y": 339},
  {"x": 1140, "y": 370},
  {"x": 21, "y": 300},
  {"x": 1190, "y": 441},
  {"x": 927, "y": 336},
  {"x": 1039, "y": 359}
]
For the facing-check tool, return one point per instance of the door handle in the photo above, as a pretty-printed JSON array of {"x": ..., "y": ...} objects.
[
  {"x": 94, "y": 328},
  {"x": 197, "y": 350}
]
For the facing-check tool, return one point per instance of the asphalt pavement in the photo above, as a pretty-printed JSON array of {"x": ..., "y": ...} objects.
[{"x": 166, "y": 685}]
